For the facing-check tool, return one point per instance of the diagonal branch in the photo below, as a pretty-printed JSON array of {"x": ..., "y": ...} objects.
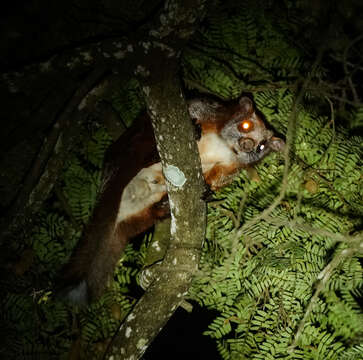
[{"x": 45, "y": 169}]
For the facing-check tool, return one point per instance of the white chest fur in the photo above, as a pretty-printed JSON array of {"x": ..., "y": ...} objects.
[
  {"x": 148, "y": 186},
  {"x": 214, "y": 150}
]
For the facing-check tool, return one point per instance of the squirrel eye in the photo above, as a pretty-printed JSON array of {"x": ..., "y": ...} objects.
[{"x": 245, "y": 126}]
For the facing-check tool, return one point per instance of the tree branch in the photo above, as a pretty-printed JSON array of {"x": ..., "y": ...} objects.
[
  {"x": 179, "y": 155},
  {"x": 45, "y": 169}
]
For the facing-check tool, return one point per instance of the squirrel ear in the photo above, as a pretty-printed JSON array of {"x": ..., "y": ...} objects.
[
  {"x": 276, "y": 144},
  {"x": 202, "y": 109},
  {"x": 246, "y": 104}
]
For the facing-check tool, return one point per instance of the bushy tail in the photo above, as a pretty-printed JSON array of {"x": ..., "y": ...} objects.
[
  {"x": 85, "y": 277},
  {"x": 93, "y": 261}
]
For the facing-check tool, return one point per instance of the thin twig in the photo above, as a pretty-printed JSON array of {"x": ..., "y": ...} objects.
[
  {"x": 345, "y": 55},
  {"x": 323, "y": 278}
]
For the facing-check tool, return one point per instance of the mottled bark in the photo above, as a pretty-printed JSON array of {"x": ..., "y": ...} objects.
[
  {"x": 171, "y": 281},
  {"x": 174, "y": 134},
  {"x": 44, "y": 81},
  {"x": 41, "y": 78}
]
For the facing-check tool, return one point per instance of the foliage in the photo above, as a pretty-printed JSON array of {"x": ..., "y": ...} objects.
[
  {"x": 128, "y": 102},
  {"x": 265, "y": 274},
  {"x": 41, "y": 320},
  {"x": 260, "y": 276}
]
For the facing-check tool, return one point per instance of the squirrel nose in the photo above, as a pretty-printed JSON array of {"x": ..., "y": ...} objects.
[{"x": 246, "y": 144}]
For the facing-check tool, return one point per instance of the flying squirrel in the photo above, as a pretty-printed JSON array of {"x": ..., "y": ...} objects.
[{"x": 134, "y": 196}]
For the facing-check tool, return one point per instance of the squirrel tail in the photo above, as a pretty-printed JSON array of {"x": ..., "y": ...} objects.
[
  {"x": 95, "y": 257},
  {"x": 93, "y": 262},
  {"x": 85, "y": 277}
]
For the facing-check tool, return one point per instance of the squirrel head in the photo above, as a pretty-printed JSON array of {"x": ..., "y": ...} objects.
[
  {"x": 238, "y": 124},
  {"x": 246, "y": 134}
]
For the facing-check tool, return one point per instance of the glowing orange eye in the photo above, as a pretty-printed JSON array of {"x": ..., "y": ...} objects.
[{"x": 245, "y": 126}]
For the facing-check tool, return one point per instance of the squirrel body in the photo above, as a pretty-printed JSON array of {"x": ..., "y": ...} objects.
[{"x": 134, "y": 195}]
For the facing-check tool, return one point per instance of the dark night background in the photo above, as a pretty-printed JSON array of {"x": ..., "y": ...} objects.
[{"x": 33, "y": 32}]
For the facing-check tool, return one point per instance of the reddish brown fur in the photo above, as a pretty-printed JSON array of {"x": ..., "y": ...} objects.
[
  {"x": 221, "y": 175},
  {"x": 100, "y": 248},
  {"x": 109, "y": 254}
]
